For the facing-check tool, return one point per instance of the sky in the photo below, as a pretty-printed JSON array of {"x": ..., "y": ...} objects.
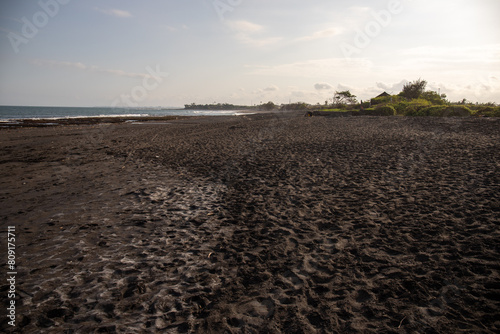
[{"x": 174, "y": 52}]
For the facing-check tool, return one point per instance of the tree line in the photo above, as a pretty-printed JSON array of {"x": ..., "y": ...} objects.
[{"x": 413, "y": 100}]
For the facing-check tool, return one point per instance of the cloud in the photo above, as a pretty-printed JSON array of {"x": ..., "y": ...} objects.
[
  {"x": 245, "y": 26},
  {"x": 174, "y": 29},
  {"x": 483, "y": 90},
  {"x": 250, "y": 33},
  {"x": 307, "y": 96},
  {"x": 467, "y": 71},
  {"x": 115, "y": 12},
  {"x": 475, "y": 52},
  {"x": 171, "y": 29},
  {"x": 359, "y": 9},
  {"x": 317, "y": 68},
  {"x": 394, "y": 88},
  {"x": 321, "y": 34},
  {"x": 323, "y": 86},
  {"x": 474, "y": 57},
  {"x": 342, "y": 87},
  {"x": 91, "y": 68},
  {"x": 257, "y": 42},
  {"x": 271, "y": 89},
  {"x": 56, "y": 63},
  {"x": 299, "y": 93}
]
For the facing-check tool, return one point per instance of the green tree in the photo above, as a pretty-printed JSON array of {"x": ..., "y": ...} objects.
[
  {"x": 268, "y": 106},
  {"x": 295, "y": 106},
  {"x": 413, "y": 90},
  {"x": 344, "y": 97},
  {"x": 434, "y": 97}
]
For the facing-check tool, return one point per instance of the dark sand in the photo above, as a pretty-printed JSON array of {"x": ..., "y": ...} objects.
[{"x": 255, "y": 224}]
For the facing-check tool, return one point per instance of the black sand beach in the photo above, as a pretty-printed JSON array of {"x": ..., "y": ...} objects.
[{"x": 254, "y": 224}]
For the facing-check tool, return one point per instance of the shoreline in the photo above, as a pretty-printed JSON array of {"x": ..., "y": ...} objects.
[
  {"x": 95, "y": 120},
  {"x": 112, "y": 119},
  {"x": 90, "y": 120}
]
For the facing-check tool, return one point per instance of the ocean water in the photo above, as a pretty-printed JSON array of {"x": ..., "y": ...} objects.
[{"x": 20, "y": 112}]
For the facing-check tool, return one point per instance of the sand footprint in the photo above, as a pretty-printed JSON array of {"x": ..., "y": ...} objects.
[
  {"x": 258, "y": 308},
  {"x": 254, "y": 313},
  {"x": 292, "y": 280}
]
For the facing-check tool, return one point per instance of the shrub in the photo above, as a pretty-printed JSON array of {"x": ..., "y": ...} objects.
[
  {"x": 416, "y": 108},
  {"x": 386, "y": 111},
  {"x": 386, "y": 99},
  {"x": 365, "y": 105},
  {"x": 380, "y": 100},
  {"x": 414, "y": 111},
  {"x": 434, "y": 97},
  {"x": 336, "y": 110},
  {"x": 481, "y": 111},
  {"x": 488, "y": 112},
  {"x": 367, "y": 111},
  {"x": 434, "y": 110},
  {"x": 400, "y": 107},
  {"x": 461, "y": 111},
  {"x": 420, "y": 102},
  {"x": 438, "y": 111},
  {"x": 495, "y": 113}
]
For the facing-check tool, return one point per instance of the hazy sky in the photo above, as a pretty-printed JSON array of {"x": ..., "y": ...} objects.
[{"x": 172, "y": 52}]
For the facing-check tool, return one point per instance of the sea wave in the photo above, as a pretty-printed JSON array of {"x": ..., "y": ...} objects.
[{"x": 8, "y": 114}]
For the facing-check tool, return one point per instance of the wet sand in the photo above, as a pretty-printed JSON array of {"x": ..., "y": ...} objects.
[{"x": 255, "y": 224}]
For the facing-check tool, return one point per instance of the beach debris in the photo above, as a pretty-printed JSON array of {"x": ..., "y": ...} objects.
[{"x": 401, "y": 322}]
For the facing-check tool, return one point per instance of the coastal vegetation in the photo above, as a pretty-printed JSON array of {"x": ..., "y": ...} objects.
[
  {"x": 413, "y": 100},
  {"x": 214, "y": 106}
]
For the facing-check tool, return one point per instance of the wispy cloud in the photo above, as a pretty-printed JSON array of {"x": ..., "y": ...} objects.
[
  {"x": 115, "y": 12},
  {"x": 359, "y": 9},
  {"x": 321, "y": 34},
  {"x": 245, "y": 26},
  {"x": 89, "y": 68},
  {"x": 266, "y": 90},
  {"x": 272, "y": 88},
  {"x": 316, "y": 68},
  {"x": 485, "y": 54},
  {"x": 251, "y": 34},
  {"x": 257, "y": 42},
  {"x": 392, "y": 88},
  {"x": 175, "y": 29},
  {"x": 323, "y": 86},
  {"x": 57, "y": 63}
]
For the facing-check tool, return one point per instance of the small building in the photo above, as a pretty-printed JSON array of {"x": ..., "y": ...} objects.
[
  {"x": 374, "y": 101},
  {"x": 384, "y": 94}
]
